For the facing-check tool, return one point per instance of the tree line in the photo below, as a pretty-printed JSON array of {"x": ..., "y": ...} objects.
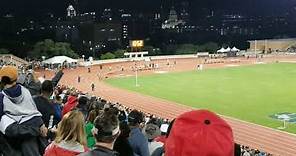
[{"x": 49, "y": 48}]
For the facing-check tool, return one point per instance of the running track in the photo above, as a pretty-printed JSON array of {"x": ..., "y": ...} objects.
[{"x": 255, "y": 136}]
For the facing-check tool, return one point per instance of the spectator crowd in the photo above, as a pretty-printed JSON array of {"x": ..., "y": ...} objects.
[{"x": 45, "y": 118}]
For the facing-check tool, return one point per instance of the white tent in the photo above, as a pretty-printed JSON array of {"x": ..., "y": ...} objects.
[
  {"x": 222, "y": 50},
  {"x": 59, "y": 60},
  {"x": 235, "y": 49},
  {"x": 228, "y": 49}
]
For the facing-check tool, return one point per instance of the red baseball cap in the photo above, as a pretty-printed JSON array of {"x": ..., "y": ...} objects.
[{"x": 200, "y": 133}]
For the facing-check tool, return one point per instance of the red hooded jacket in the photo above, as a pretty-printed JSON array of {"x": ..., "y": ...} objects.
[
  {"x": 54, "y": 150},
  {"x": 70, "y": 104}
]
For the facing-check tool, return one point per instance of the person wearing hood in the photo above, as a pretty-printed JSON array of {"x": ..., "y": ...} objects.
[
  {"x": 19, "y": 117},
  {"x": 70, "y": 104}
]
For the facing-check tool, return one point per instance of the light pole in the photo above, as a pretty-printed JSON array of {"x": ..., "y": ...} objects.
[
  {"x": 83, "y": 57},
  {"x": 255, "y": 50},
  {"x": 136, "y": 68},
  {"x": 93, "y": 51}
]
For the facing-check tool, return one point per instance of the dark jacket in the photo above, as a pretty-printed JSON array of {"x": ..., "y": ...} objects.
[
  {"x": 46, "y": 108},
  {"x": 5, "y": 148},
  {"x": 123, "y": 147},
  {"x": 49, "y": 116},
  {"x": 25, "y": 138},
  {"x": 100, "y": 151}
]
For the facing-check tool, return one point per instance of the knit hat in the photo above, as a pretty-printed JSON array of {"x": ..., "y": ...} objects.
[
  {"x": 9, "y": 71},
  {"x": 200, "y": 133},
  {"x": 151, "y": 131}
]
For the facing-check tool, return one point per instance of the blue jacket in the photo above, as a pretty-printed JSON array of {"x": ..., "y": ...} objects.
[{"x": 138, "y": 142}]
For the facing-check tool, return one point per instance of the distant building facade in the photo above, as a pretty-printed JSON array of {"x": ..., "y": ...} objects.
[
  {"x": 172, "y": 22},
  {"x": 272, "y": 45}
]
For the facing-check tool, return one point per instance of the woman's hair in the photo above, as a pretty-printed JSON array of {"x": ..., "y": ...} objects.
[
  {"x": 71, "y": 128},
  {"x": 107, "y": 126},
  {"x": 124, "y": 130},
  {"x": 92, "y": 116}
]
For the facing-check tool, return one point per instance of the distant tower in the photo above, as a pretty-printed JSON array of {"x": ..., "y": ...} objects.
[
  {"x": 184, "y": 15},
  {"x": 172, "y": 21},
  {"x": 173, "y": 15},
  {"x": 71, "y": 12}
]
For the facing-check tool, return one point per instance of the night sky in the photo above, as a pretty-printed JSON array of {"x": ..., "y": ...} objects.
[{"x": 37, "y": 7}]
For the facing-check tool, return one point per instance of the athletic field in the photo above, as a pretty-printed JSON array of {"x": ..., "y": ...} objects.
[{"x": 251, "y": 93}]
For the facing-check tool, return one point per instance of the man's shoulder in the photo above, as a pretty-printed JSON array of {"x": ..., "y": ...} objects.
[
  {"x": 40, "y": 100},
  {"x": 97, "y": 152}
]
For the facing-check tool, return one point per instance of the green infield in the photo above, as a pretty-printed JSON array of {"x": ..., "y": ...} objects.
[{"x": 252, "y": 93}]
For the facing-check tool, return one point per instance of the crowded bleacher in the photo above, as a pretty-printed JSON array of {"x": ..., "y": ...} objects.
[{"x": 50, "y": 119}]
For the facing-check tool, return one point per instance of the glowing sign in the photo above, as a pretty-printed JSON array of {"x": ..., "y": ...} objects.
[{"x": 137, "y": 43}]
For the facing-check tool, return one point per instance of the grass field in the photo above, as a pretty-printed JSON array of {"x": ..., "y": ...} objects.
[{"x": 250, "y": 93}]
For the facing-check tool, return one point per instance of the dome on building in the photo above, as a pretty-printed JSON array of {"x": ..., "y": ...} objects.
[
  {"x": 173, "y": 15},
  {"x": 71, "y": 12},
  {"x": 70, "y": 7}
]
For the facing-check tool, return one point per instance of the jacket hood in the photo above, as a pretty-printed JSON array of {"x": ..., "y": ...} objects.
[
  {"x": 14, "y": 94},
  {"x": 72, "y": 100}
]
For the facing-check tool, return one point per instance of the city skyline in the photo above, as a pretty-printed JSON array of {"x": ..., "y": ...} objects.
[
  {"x": 35, "y": 8},
  {"x": 98, "y": 26}
]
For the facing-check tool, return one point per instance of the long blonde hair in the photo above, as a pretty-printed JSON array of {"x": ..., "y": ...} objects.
[{"x": 71, "y": 128}]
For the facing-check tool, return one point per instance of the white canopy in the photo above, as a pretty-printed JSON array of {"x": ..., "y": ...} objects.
[
  {"x": 59, "y": 60},
  {"x": 222, "y": 50},
  {"x": 235, "y": 49},
  {"x": 228, "y": 49}
]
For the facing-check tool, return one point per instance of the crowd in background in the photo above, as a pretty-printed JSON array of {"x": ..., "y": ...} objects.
[{"x": 54, "y": 120}]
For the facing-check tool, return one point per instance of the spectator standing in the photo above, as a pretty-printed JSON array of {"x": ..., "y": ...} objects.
[
  {"x": 58, "y": 107},
  {"x": 19, "y": 115},
  {"x": 137, "y": 139},
  {"x": 121, "y": 145},
  {"x": 78, "y": 78},
  {"x": 71, "y": 138},
  {"x": 163, "y": 130},
  {"x": 152, "y": 131},
  {"x": 89, "y": 127},
  {"x": 31, "y": 82},
  {"x": 92, "y": 86},
  {"x": 106, "y": 130},
  {"x": 83, "y": 105},
  {"x": 46, "y": 107},
  {"x": 70, "y": 104}
]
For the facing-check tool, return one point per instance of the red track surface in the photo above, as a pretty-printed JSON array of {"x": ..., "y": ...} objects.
[{"x": 255, "y": 136}]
